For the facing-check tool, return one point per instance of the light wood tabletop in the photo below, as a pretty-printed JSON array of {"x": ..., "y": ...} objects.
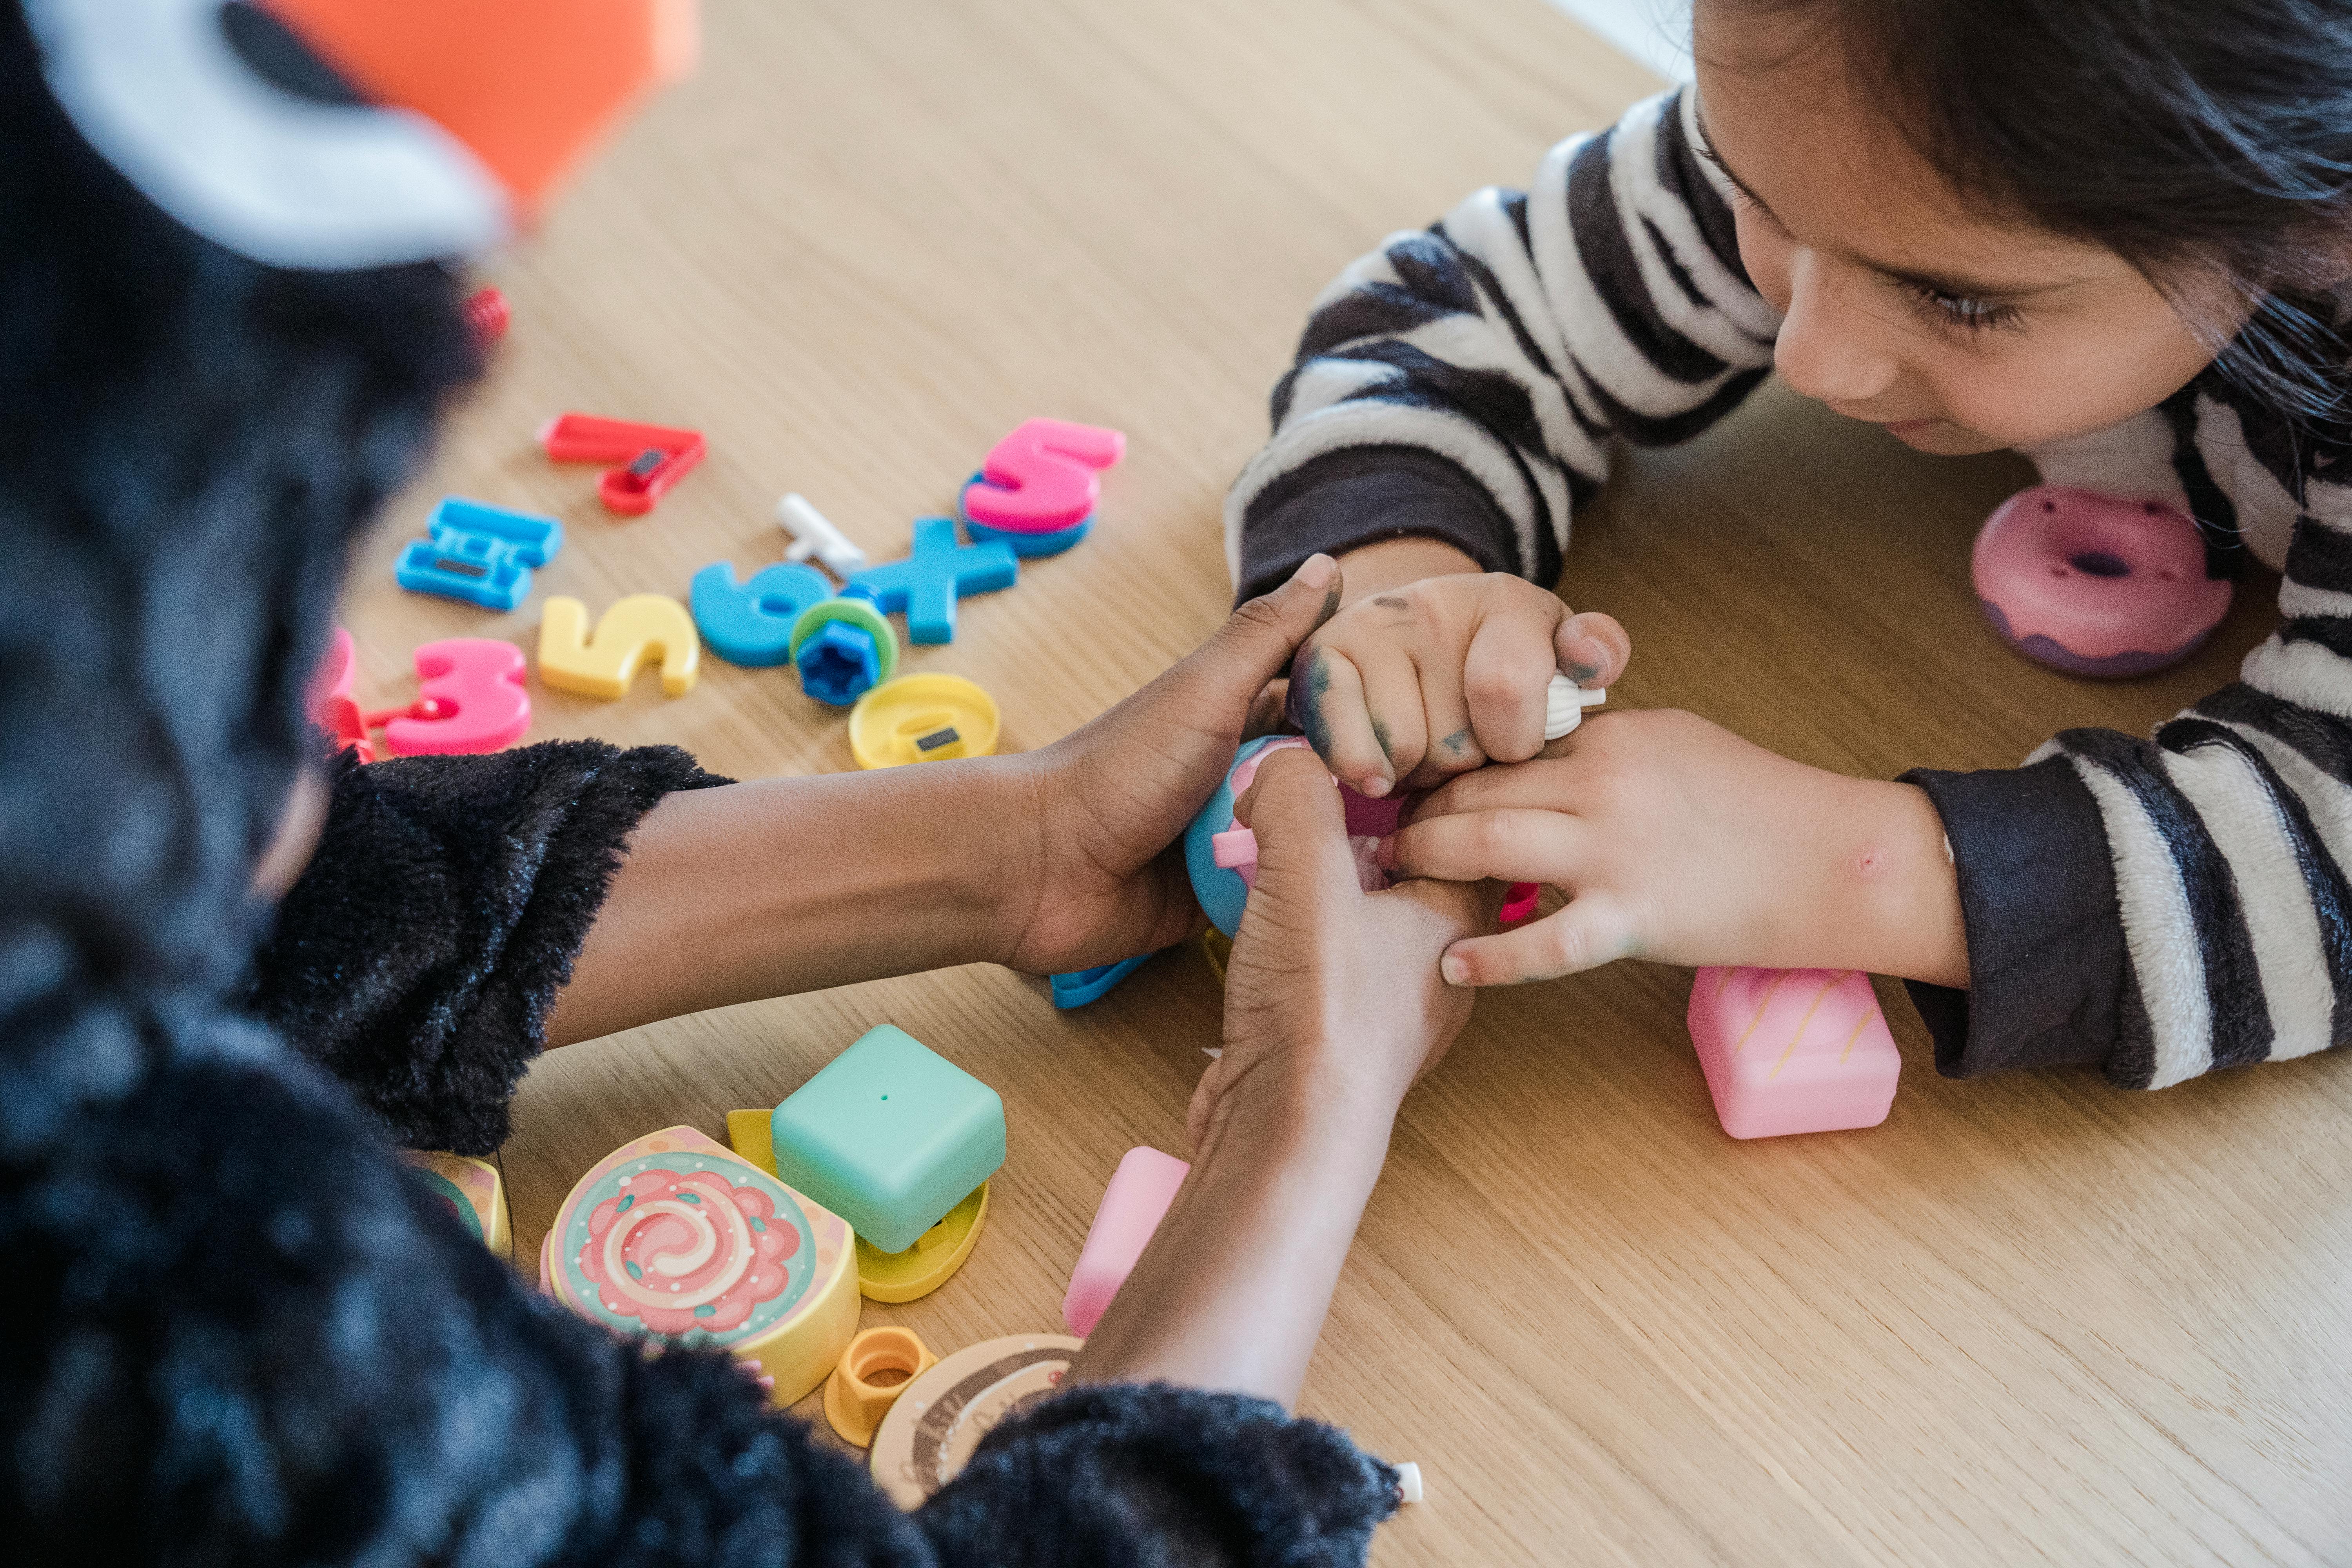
[{"x": 2030, "y": 1319}]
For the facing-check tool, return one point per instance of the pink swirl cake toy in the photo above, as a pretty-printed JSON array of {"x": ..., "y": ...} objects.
[
  {"x": 1793, "y": 1050},
  {"x": 1131, "y": 1209},
  {"x": 474, "y": 1193},
  {"x": 674, "y": 1237},
  {"x": 2093, "y": 585}
]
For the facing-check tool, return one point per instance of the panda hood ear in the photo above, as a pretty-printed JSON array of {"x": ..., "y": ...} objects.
[{"x": 332, "y": 135}]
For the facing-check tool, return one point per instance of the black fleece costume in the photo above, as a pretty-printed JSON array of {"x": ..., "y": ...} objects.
[{"x": 233, "y": 1327}]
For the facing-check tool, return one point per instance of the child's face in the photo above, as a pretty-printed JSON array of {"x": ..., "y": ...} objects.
[{"x": 1957, "y": 330}]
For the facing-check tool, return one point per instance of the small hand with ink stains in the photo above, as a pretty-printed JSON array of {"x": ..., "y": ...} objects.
[
  {"x": 1676, "y": 840},
  {"x": 1415, "y": 685}
]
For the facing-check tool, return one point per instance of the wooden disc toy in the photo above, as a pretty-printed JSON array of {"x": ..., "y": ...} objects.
[{"x": 939, "y": 1417}]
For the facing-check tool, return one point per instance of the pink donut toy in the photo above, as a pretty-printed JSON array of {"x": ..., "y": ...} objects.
[{"x": 2093, "y": 585}]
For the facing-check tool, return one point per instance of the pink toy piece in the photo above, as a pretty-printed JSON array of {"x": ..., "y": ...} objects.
[
  {"x": 1520, "y": 902},
  {"x": 1132, "y": 1208},
  {"x": 2093, "y": 585},
  {"x": 1368, "y": 822},
  {"x": 472, "y": 700},
  {"x": 329, "y": 701},
  {"x": 1042, "y": 477},
  {"x": 1793, "y": 1050}
]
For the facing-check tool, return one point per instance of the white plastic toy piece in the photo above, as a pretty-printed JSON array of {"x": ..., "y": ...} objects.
[
  {"x": 1564, "y": 706},
  {"x": 814, "y": 535},
  {"x": 1409, "y": 1481}
]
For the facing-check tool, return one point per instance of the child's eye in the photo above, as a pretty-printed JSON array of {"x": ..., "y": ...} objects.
[{"x": 1960, "y": 310}]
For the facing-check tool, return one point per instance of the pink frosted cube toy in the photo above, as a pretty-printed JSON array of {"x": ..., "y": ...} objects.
[
  {"x": 1132, "y": 1207},
  {"x": 1793, "y": 1050}
]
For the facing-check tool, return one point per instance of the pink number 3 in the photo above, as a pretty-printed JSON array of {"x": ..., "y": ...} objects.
[{"x": 472, "y": 699}]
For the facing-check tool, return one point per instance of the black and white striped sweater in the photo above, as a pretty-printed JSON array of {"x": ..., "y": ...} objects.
[{"x": 2158, "y": 907}]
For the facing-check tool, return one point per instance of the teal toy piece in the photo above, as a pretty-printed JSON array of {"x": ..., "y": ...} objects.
[
  {"x": 843, "y": 648},
  {"x": 927, "y": 584},
  {"x": 1222, "y": 892},
  {"x": 751, "y": 623},
  {"x": 890, "y": 1136},
  {"x": 480, "y": 554},
  {"x": 1028, "y": 545},
  {"x": 1084, "y": 986}
]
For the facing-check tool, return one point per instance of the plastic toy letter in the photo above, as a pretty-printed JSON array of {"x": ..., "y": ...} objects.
[
  {"x": 603, "y": 665},
  {"x": 481, "y": 555},
  {"x": 472, "y": 700},
  {"x": 751, "y": 623},
  {"x": 929, "y": 581},
  {"x": 1044, "y": 477}
]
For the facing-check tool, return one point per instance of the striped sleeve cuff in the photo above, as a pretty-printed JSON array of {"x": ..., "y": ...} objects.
[
  {"x": 2048, "y": 971},
  {"x": 1363, "y": 494}
]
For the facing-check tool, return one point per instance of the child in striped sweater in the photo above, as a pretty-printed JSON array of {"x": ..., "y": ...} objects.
[{"x": 2112, "y": 235}]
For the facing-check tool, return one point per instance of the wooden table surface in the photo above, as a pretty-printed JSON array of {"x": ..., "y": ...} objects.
[{"x": 2030, "y": 1319}]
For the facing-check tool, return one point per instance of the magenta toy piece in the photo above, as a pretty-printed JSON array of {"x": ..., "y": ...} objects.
[
  {"x": 488, "y": 314},
  {"x": 1793, "y": 1050},
  {"x": 472, "y": 700},
  {"x": 1520, "y": 902},
  {"x": 2093, "y": 585},
  {"x": 1043, "y": 478},
  {"x": 1132, "y": 1208}
]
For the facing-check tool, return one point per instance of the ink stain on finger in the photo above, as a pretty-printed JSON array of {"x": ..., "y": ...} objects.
[
  {"x": 1310, "y": 683},
  {"x": 1381, "y": 733},
  {"x": 1579, "y": 672},
  {"x": 1457, "y": 742},
  {"x": 1391, "y": 601}
]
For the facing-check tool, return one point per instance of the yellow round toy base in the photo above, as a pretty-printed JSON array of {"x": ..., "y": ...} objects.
[
  {"x": 1218, "y": 949},
  {"x": 939, "y": 1417},
  {"x": 922, "y": 719},
  {"x": 929, "y": 1264}
]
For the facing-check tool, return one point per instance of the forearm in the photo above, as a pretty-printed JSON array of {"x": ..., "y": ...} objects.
[
  {"x": 1232, "y": 1290},
  {"x": 789, "y": 884},
  {"x": 1879, "y": 892}
]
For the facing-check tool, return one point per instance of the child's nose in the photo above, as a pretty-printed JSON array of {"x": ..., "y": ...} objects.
[{"x": 1829, "y": 349}]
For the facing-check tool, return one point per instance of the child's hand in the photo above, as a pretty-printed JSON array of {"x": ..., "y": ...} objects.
[
  {"x": 1333, "y": 999},
  {"x": 1678, "y": 841},
  {"x": 1419, "y": 683}
]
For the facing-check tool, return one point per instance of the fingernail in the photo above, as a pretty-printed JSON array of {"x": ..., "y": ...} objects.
[
  {"x": 1318, "y": 570},
  {"x": 1374, "y": 788},
  {"x": 1456, "y": 970},
  {"x": 1384, "y": 853}
]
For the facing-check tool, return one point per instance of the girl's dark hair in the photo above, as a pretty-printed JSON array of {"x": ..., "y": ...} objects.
[
  {"x": 188, "y": 442},
  {"x": 2193, "y": 138}
]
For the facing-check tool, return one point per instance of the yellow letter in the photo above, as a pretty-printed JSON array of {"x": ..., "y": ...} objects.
[{"x": 603, "y": 665}]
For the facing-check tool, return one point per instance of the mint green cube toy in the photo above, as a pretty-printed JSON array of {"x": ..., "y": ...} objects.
[{"x": 889, "y": 1136}]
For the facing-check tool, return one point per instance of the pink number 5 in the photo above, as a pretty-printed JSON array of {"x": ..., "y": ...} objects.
[
  {"x": 1042, "y": 478},
  {"x": 472, "y": 699}
]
